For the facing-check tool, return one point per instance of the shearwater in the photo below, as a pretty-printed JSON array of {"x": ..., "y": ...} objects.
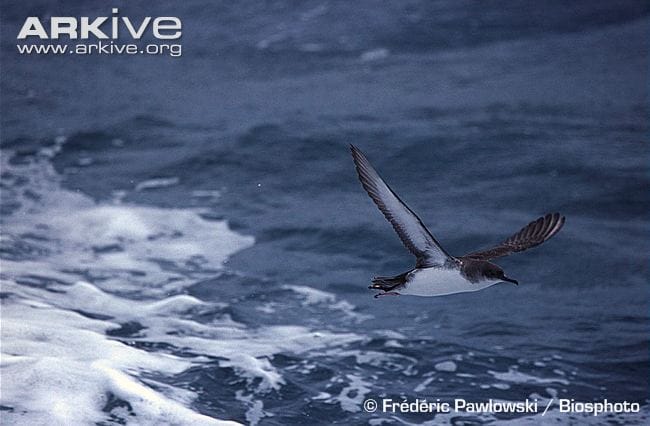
[{"x": 436, "y": 272}]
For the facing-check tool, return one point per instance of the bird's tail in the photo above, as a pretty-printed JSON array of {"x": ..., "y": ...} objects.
[{"x": 388, "y": 282}]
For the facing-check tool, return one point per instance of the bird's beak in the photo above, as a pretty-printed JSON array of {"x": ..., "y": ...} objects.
[{"x": 510, "y": 280}]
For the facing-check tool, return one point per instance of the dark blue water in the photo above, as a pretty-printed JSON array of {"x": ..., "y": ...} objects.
[{"x": 186, "y": 239}]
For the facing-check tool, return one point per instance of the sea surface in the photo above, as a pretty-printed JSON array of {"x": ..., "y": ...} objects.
[{"x": 185, "y": 241}]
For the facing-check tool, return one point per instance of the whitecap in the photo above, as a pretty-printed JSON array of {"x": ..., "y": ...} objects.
[
  {"x": 156, "y": 183},
  {"x": 516, "y": 376},
  {"x": 446, "y": 366}
]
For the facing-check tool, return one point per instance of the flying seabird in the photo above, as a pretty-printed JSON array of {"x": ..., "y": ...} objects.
[{"x": 436, "y": 272}]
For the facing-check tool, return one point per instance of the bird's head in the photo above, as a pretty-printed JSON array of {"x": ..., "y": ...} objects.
[{"x": 494, "y": 272}]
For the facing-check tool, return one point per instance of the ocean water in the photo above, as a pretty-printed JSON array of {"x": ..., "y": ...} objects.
[{"x": 184, "y": 240}]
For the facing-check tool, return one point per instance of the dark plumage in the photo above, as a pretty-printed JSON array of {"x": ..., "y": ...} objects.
[{"x": 531, "y": 235}]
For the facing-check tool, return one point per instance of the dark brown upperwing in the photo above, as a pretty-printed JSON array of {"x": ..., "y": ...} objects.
[{"x": 531, "y": 235}]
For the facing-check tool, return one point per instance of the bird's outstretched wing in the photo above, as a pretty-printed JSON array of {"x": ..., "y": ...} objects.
[
  {"x": 531, "y": 235},
  {"x": 415, "y": 236}
]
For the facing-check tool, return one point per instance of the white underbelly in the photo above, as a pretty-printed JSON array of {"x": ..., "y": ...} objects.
[{"x": 438, "y": 282}]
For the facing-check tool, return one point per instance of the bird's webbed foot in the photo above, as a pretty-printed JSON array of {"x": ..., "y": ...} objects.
[
  {"x": 386, "y": 293},
  {"x": 383, "y": 286}
]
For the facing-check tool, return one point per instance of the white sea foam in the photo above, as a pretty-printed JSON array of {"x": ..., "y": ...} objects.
[
  {"x": 206, "y": 193},
  {"x": 253, "y": 368},
  {"x": 422, "y": 386},
  {"x": 156, "y": 183},
  {"x": 128, "y": 248},
  {"x": 120, "y": 263},
  {"x": 59, "y": 368},
  {"x": 446, "y": 366},
  {"x": 353, "y": 394},
  {"x": 49, "y": 333},
  {"x": 314, "y": 296},
  {"x": 516, "y": 376},
  {"x": 255, "y": 411},
  {"x": 385, "y": 360},
  {"x": 311, "y": 295},
  {"x": 125, "y": 248}
]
